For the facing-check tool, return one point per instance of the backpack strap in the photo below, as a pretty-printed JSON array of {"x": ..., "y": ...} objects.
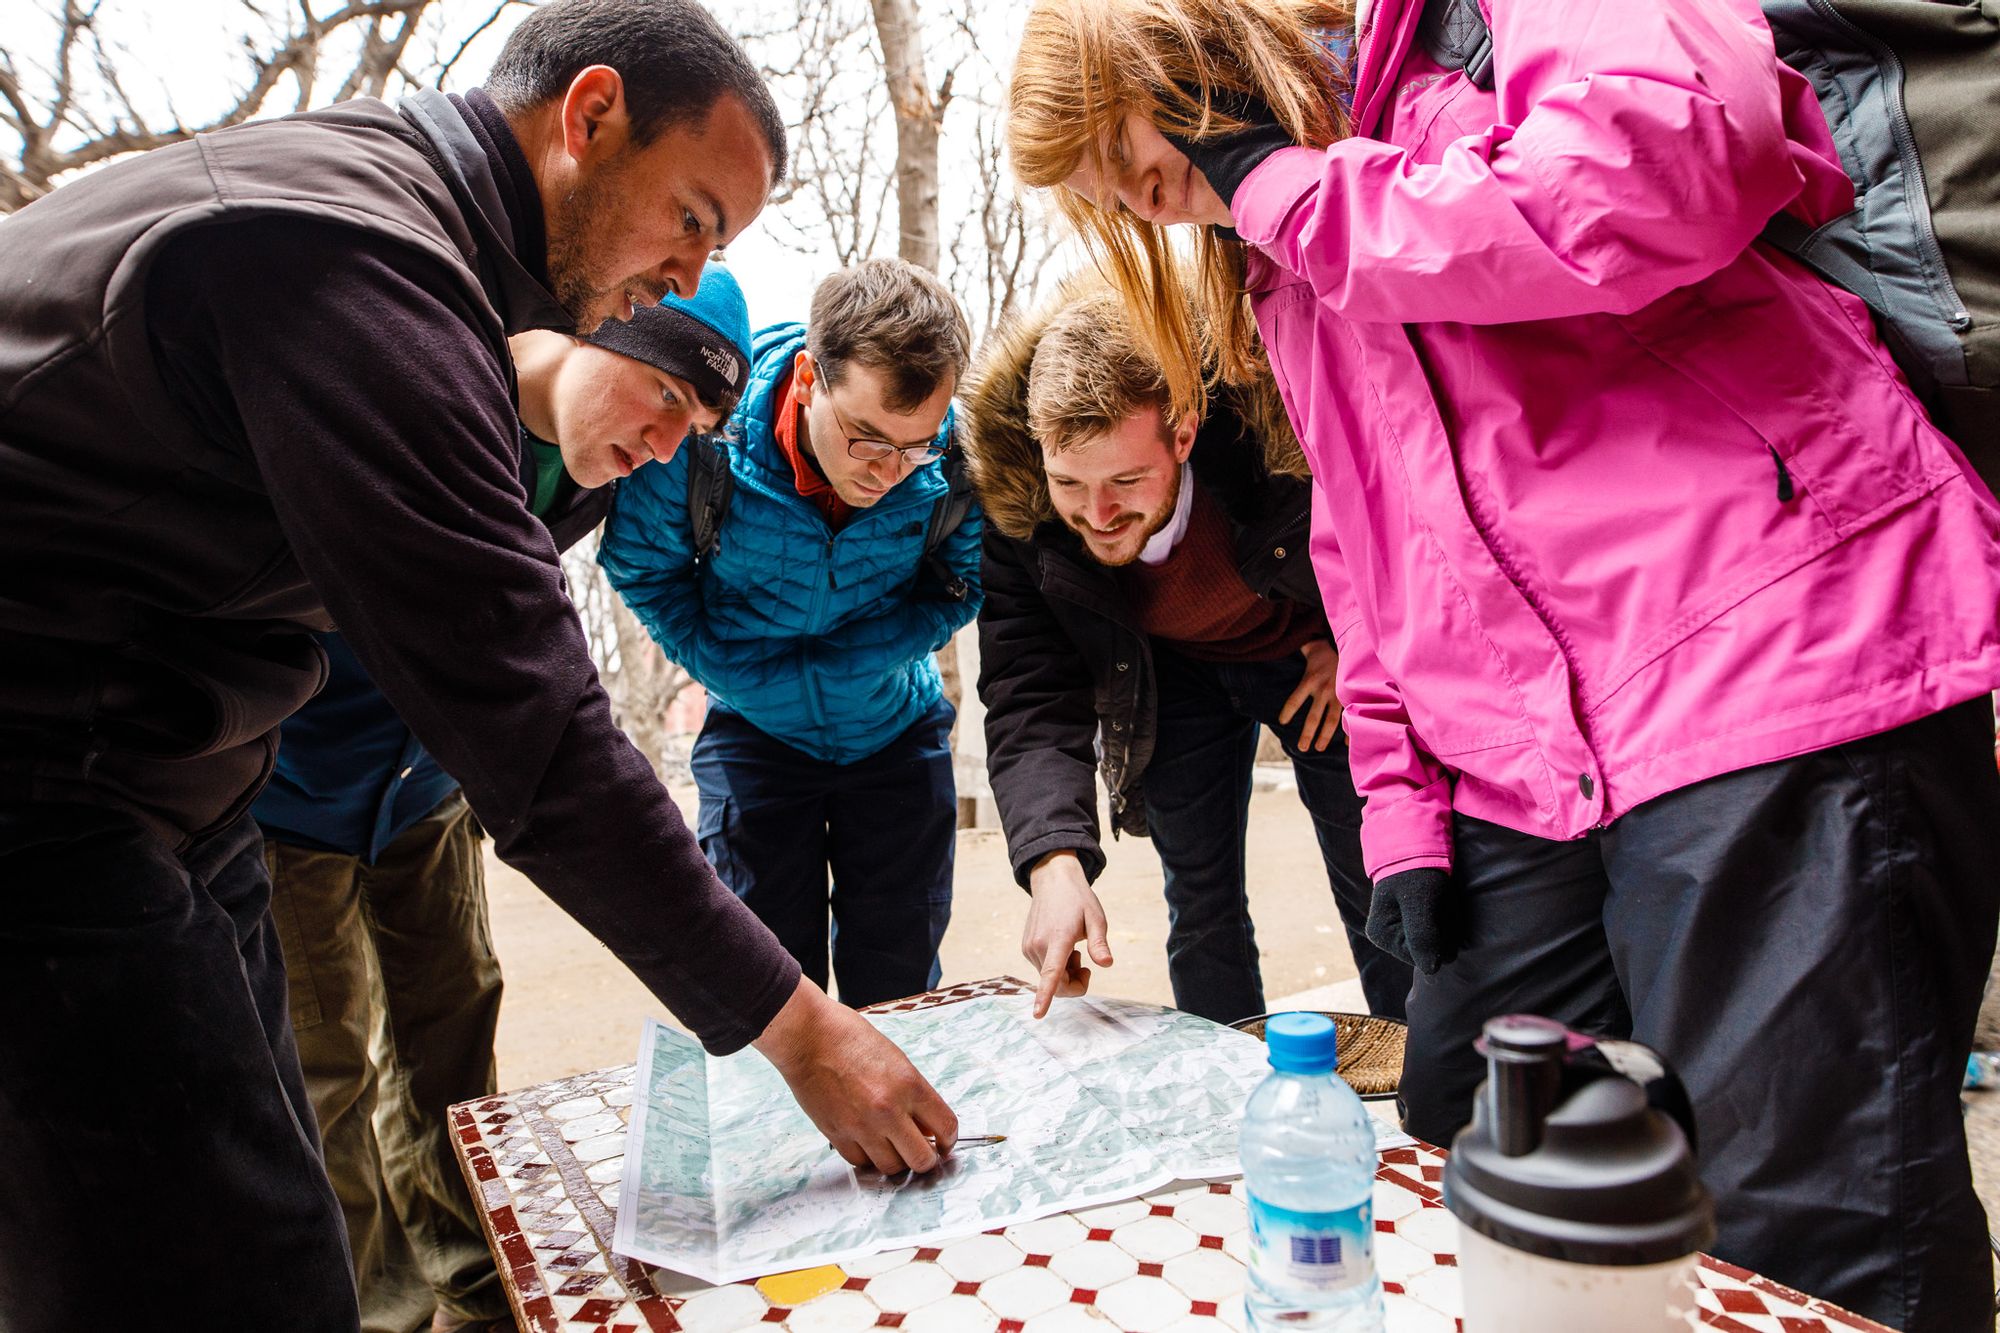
[
  {"x": 946, "y": 515},
  {"x": 1455, "y": 34},
  {"x": 1831, "y": 262},
  {"x": 710, "y": 484}
]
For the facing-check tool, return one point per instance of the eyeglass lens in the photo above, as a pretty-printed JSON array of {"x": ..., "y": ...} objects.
[{"x": 870, "y": 451}]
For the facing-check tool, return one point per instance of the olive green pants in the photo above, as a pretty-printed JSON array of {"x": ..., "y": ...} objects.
[{"x": 395, "y": 993}]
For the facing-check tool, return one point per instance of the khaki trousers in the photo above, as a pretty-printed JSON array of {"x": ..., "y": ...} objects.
[{"x": 395, "y": 994}]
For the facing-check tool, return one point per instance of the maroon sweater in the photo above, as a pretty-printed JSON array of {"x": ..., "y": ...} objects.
[{"x": 1197, "y": 601}]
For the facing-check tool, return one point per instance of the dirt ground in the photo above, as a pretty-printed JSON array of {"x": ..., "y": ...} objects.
[{"x": 570, "y": 1007}]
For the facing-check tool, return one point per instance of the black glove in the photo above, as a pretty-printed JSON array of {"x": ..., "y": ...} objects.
[
  {"x": 1414, "y": 914},
  {"x": 1227, "y": 159}
]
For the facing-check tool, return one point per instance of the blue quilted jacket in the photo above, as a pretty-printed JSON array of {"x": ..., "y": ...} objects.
[{"x": 822, "y": 639}]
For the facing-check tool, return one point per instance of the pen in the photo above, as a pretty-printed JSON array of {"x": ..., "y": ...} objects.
[{"x": 970, "y": 1141}]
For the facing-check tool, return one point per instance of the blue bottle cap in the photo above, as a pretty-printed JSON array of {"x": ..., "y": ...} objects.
[{"x": 1301, "y": 1043}]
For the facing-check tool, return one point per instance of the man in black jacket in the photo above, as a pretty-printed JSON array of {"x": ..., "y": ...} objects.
[
  {"x": 1150, "y": 603},
  {"x": 257, "y": 385},
  {"x": 377, "y": 879}
]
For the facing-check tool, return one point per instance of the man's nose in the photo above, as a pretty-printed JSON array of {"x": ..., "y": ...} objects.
[
  {"x": 681, "y": 273},
  {"x": 664, "y": 434},
  {"x": 1100, "y": 510}
]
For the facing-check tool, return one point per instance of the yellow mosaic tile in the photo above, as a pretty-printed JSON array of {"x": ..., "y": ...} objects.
[{"x": 801, "y": 1285}]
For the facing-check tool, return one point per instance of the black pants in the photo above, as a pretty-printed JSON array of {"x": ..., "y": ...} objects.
[
  {"x": 157, "y": 1150},
  {"x": 1806, "y": 941},
  {"x": 779, "y": 824},
  {"x": 1198, "y": 810}
]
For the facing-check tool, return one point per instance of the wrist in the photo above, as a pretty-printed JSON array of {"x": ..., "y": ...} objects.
[
  {"x": 1062, "y": 866},
  {"x": 790, "y": 1033}
]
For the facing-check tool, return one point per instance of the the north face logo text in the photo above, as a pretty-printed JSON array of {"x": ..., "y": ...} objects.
[{"x": 721, "y": 363}]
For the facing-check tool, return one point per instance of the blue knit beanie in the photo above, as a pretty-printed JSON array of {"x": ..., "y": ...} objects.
[{"x": 704, "y": 338}]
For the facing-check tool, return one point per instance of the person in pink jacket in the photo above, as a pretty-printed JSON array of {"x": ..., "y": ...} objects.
[{"x": 1666, "y": 619}]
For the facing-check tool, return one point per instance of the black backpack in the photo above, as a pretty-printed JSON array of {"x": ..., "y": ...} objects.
[
  {"x": 711, "y": 484},
  {"x": 1911, "y": 89}
]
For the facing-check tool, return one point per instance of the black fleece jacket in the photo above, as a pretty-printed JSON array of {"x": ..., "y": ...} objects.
[{"x": 353, "y": 371}]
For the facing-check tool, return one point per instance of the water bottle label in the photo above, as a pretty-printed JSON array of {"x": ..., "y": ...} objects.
[{"x": 1326, "y": 1251}]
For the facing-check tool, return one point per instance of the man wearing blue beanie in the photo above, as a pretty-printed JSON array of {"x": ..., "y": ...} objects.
[
  {"x": 806, "y": 580},
  {"x": 376, "y": 861}
]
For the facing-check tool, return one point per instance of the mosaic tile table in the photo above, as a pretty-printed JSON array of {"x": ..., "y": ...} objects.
[{"x": 545, "y": 1162}]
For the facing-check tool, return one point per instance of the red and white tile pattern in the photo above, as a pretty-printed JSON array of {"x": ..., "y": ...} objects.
[{"x": 545, "y": 1165}]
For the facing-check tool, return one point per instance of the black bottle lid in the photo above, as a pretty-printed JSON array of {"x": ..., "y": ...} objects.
[{"x": 1596, "y": 1177}]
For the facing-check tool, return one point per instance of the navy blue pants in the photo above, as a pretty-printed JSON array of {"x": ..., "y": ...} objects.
[
  {"x": 796, "y": 837},
  {"x": 1806, "y": 941},
  {"x": 1197, "y": 788},
  {"x": 157, "y": 1136}
]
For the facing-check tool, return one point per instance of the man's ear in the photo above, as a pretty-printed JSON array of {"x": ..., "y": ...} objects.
[
  {"x": 804, "y": 376},
  {"x": 1182, "y": 442},
  {"x": 594, "y": 119}
]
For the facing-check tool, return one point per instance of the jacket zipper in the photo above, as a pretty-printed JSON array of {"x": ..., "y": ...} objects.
[
  {"x": 1785, "y": 491},
  {"x": 1113, "y": 769},
  {"x": 1936, "y": 276},
  {"x": 810, "y": 685},
  {"x": 822, "y": 587},
  {"x": 1362, "y": 50}
]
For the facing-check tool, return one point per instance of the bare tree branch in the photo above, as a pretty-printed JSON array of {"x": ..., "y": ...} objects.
[
  {"x": 445, "y": 66},
  {"x": 107, "y": 71},
  {"x": 380, "y": 57},
  {"x": 18, "y": 117},
  {"x": 84, "y": 119},
  {"x": 642, "y": 683},
  {"x": 74, "y": 21}
]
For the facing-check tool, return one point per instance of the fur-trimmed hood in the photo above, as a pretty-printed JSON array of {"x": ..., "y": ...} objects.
[{"x": 1005, "y": 461}]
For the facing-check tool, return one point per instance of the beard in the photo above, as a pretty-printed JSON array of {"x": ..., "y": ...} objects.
[
  {"x": 576, "y": 235},
  {"x": 1147, "y": 527}
]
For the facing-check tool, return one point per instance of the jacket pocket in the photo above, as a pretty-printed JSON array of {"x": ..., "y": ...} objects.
[
  {"x": 1771, "y": 345},
  {"x": 717, "y": 827},
  {"x": 202, "y": 690},
  {"x": 278, "y": 590}
]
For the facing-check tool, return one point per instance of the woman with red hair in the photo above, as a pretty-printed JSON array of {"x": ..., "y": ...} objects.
[{"x": 1665, "y": 617}]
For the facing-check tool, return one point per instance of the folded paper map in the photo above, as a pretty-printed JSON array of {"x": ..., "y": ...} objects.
[{"x": 725, "y": 1177}]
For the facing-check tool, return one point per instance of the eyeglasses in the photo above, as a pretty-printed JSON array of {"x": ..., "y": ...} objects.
[{"x": 867, "y": 449}]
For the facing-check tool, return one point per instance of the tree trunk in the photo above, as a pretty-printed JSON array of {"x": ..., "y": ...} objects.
[
  {"x": 918, "y": 112},
  {"x": 644, "y": 686}
]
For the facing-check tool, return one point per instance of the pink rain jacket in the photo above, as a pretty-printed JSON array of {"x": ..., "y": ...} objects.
[{"x": 1608, "y": 499}]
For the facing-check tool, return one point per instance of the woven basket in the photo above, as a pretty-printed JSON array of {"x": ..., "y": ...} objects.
[{"x": 1371, "y": 1049}]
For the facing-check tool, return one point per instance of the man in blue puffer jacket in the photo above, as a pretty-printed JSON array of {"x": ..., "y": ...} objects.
[{"x": 812, "y": 622}]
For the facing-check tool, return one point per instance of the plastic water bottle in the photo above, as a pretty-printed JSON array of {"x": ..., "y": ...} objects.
[{"x": 1308, "y": 1150}]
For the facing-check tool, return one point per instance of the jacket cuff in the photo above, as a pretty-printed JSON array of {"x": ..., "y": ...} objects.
[
  {"x": 1271, "y": 191},
  {"x": 755, "y": 1012},
  {"x": 1412, "y": 863},
  {"x": 1066, "y": 840},
  {"x": 1412, "y": 831}
]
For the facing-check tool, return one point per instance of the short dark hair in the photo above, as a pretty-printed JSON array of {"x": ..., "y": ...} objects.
[
  {"x": 895, "y": 318},
  {"x": 676, "y": 60}
]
